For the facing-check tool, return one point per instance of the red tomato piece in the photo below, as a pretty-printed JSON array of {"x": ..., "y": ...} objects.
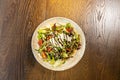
[
  {"x": 40, "y": 42},
  {"x": 49, "y": 49},
  {"x": 69, "y": 29}
]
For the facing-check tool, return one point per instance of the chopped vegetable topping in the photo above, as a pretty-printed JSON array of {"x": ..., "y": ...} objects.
[{"x": 58, "y": 43}]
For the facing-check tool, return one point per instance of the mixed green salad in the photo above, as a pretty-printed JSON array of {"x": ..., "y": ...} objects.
[{"x": 58, "y": 43}]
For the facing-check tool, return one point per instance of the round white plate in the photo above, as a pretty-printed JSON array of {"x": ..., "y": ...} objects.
[{"x": 70, "y": 62}]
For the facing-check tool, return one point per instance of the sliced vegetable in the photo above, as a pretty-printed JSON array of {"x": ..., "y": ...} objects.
[
  {"x": 42, "y": 31},
  {"x": 69, "y": 29},
  {"x": 64, "y": 55},
  {"x": 49, "y": 49},
  {"x": 40, "y": 42},
  {"x": 52, "y": 60},
  {"x": 44, "y": 56},
  {"x": 68, "y": 25}
]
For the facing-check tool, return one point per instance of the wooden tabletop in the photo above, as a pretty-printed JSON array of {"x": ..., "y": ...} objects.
[{"x": 99, "y": 20}]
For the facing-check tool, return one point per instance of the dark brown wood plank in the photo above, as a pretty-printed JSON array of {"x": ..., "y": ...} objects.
[
  {"x": 99, "y": 19},
  {"x": 100, "y": 22},
  {"x": 19, "y": 18}
]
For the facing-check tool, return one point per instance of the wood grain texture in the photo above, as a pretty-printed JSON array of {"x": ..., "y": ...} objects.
[{"x": 99, "y": 19}]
